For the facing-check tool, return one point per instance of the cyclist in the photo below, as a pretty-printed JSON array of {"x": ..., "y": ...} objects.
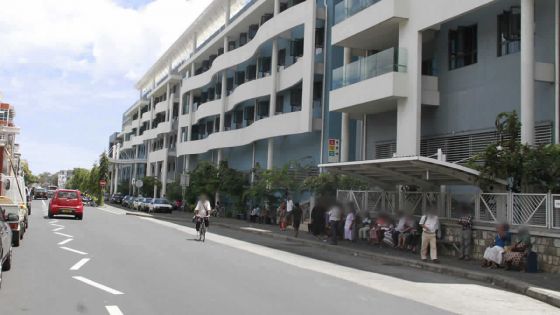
[{"x": 202, "y": 211}]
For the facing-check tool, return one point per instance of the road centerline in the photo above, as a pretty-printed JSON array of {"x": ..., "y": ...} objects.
[
  {"x": 73, "y": 250},
  {"x": 97, "y": 285},
  {"x": 80, "y": 264}
]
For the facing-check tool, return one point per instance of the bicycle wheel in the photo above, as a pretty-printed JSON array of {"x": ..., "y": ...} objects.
[{"x": 203, "y": 232}]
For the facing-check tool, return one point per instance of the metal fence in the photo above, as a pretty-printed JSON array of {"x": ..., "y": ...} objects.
[{"x": 536, "y": 210}]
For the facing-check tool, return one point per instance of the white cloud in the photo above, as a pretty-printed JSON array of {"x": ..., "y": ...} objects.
[{"x": 72, "y": 64}]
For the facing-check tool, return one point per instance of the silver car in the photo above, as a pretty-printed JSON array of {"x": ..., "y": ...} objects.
[{"x": 5, "y": 242}]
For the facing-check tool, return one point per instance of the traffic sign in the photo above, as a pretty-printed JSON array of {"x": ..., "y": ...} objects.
[{"x": 139, "y": 183}]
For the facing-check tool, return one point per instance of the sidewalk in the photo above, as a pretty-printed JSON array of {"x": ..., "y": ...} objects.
[{"x": 541, "y": 286}]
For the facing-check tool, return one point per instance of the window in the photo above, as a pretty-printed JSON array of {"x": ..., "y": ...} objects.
[
  {"x": 462, "y": 47},
  {"x": 509, "y": 32}
]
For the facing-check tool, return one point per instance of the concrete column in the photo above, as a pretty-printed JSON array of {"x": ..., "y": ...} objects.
[
  {"x": 528, "y": 72},
  {"x": 163, "y": 176},
  {"x": 276, "y": 7},
  {"x": 557, "y": 76},
  {"x": 152, "y": 105},
  {"x": 191, "y": 110},
  {"x": 409, "y": 109},
  {"x": 345, "y": 122},
  {"x": 116, "y": 174},
  {"x": 169, "y": 102},
  {"x": 228, "y": 12},
  {"x": 273, "y": 99}
]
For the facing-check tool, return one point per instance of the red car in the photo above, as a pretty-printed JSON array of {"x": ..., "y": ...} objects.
[{"x": 66, "y": 202}]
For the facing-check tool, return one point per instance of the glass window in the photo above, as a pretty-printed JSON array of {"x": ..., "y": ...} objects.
[
  {"x": 463, "y": 47},
  {"x": 509, "y": 32}
]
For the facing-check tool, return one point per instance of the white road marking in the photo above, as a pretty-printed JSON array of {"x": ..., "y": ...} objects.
[
  {"x": 53, "y": 224},
  {"x": 114, "y": 310},
  {"x": 80, "y": 264},
  {"x": 111, "y": 211},
  {"x": 44, "y": 204},
  {"x": 62, "y": 234},
  {"x": 440, "y": 295},
  {"x": 97, "y": 285},
  {"x": 58, "y": 229},
  {"x": 53, "y": 221},
  {"x": 73, "y": 250},
  {"x": 254, "y": 229},
  {"x": 66, "y": 241}
]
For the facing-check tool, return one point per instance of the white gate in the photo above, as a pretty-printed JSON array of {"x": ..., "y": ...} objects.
[{"x": 529, "y": 209}]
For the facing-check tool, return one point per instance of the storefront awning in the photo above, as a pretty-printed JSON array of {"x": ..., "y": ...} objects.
[{"x": 415, "y": 170}]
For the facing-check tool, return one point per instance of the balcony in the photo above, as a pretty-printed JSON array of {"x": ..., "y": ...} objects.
[
  {"x": 361, "y": 22},
  {"x": 370, "y": 84}
]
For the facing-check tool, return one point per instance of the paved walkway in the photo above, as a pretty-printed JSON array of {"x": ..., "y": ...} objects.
[{"x": 542, "y": 286}]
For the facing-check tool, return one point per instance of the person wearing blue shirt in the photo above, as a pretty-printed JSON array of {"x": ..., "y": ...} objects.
[{"x": 493, "y": 256}]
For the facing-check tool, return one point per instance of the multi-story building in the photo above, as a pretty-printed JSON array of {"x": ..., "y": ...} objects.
[
  {"x": 389, "y": 84},
  {"x": 410, "y": 77},
  {"x": 242, "y": 84}
]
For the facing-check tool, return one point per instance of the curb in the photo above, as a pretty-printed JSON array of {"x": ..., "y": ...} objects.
[{"x": 543, "y": 295}]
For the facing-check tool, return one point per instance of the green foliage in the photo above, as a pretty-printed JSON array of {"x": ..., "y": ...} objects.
[
  {"x": 102, "y": 174},
  {"x": 203, "y": 180},
  {"x": 326, "y": 184},
  {"x": 148, "y": 187},
  {"x": 79, "y": 180},
  {"x": 526, "y": 169},
  {"x": 124, "y": 188},
  {"x": 28, "y": 175},
  {"x": 174, "y": 191},
  {"x": 542, "y": 169}
]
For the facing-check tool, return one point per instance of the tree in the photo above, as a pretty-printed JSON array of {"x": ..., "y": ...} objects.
[
  {"x": 542, "y": 169},
  {"x": 148, "y": 187},
  {"x": 326, "y": 184},
  {"x": 503, "y": 159},
  {"x": 79, "y": 179},
  {"x": 102, "y": 174},
  {"x": 28, "y": 175},
  {"x": 203, "y": 180}
]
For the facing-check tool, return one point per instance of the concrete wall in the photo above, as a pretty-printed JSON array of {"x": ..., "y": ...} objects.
[{"x": 546, "y": 246}]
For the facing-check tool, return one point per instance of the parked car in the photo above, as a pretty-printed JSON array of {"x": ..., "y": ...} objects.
[
  {"x": 116, "y": 198},
  {"x": 51, "y": 190},
  {"x": 16, "y": 216},
  {"x": 137, "y": 202},
  {"x": 28, "y": 200},
  {"x": 145, "y": 203},
  {"x": 126, "y": 200},
  {"x": 40, "y": 193},
  {"x": 67, "y": 202},
  {"x": 160, "y": 205},
  {"x": 5, "y": 242}
]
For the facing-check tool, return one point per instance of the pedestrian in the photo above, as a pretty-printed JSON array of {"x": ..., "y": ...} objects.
[
  {"x": 466, "y": 234},
  {"x": 516, "y": 257},
  {"x": 202, "y": 211},
  {"x": 335, "y": 215},
  {"x": 318, "y": 218},
  {"x": 296, "y": 218},
  {"x": 281, "y": 212},
  {"x": 289, "y": 209},
  {"x": 430, "y": 225},
  {"x": 349, "y": 225}
]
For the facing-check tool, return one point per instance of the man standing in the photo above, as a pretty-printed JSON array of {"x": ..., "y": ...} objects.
[
  {"x": 335, "y": 215},
  {"x": 430, "y": 224}
]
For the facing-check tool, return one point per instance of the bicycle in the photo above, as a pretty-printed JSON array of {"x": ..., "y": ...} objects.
[{"x": 202, "y": 229}]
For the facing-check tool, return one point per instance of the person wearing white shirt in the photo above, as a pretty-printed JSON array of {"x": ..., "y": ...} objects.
[
  {"x": 289, "y": 205},
  {"x": 335, "y": 215},
  {"x": 202, "y": 211},
  {"x": 430, "y": 225}
]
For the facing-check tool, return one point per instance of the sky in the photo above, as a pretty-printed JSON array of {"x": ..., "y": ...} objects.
[{"x": 69, "y": 68}]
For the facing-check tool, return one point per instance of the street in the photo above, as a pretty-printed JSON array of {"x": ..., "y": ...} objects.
[{"x": 111, "y": 263}]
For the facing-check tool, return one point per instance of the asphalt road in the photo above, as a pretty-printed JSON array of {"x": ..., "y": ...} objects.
[{"x": 111, "y": 263}]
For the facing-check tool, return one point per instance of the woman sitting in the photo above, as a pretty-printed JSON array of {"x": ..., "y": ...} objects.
[
  {"x": 377, "y": 232},
  {"x": 493, "y": 256},
  {"x": 515, "y": 257}
]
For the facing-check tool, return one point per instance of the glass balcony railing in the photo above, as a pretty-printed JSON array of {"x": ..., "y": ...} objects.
[
  {"x": 347, "y": 8},
  {"x": 390, "y": 60}
]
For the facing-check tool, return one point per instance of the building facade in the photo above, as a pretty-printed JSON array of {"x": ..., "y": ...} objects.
[
  {"x": 242, "y": 84},
  {"x": 271, "y": 81}
]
